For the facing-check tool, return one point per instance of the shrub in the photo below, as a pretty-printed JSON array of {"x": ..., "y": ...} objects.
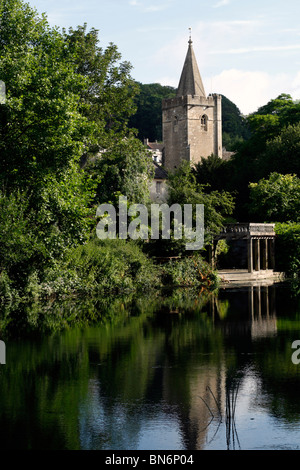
[
  {"x": 288, "y": 248},
  {"x": 189, "y": 272},
  {"x": 99, "y": 265}
]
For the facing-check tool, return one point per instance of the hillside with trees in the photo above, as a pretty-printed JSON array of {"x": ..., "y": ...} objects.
[{"x": 148, "y": 117}]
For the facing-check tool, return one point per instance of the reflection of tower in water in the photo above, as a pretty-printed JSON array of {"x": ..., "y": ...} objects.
[{"x": 214, "y": 386}]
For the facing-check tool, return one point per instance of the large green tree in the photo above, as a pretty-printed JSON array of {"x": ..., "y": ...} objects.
[
  {"x": 234, "y": 126},
  {"x": 41, "y": 128},
  {"x": 276, "y": 199},
  {"x": 125, "y": 168},
  {"x": 108, "y": 98},
  {"x": 184, "y": 189},
  {"x": 272, "y": 147},
  {"x": 66, "y": 99}
]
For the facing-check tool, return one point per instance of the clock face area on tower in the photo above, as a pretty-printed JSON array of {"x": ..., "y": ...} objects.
[{"x": 192, "y": 122}]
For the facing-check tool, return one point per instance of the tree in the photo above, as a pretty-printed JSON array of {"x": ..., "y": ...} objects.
[
  {"x": 212, "y": 172},
  {"x": 272, "y": 147},
  {"x": 118, "y": 163},
  {"x": 282, "y": 153},
  {"x": 276, "y": 199},
  {"x": 126, "y": 169},
  {"x": 42, "y": 130},
  {"x": 269, "y": 120},
  {"x": 148, "y": 117},
  {"x": 184, "y": 189},
  {"x": 108, "y": 98},
  {"x": 65, "y": 98},
  {"x": 234, "y": 126}
]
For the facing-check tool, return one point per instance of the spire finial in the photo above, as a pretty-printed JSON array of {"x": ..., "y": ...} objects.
[{"x": 190, "y": 36}]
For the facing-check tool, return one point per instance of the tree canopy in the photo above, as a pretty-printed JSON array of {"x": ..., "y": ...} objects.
[
  {"x": 148, "y": 117},
  {"x": 276, "y": 199},
  {"x": 272, "y": 147},
  {"x": 67, "y": 100}
]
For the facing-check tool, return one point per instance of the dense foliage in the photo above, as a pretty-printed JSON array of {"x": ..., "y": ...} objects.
[
  {"x": 66, "y": 146},
  {"x": 276, "y": 198},
  {"x": 148, "y": 117},
  {"x": 62, "y": 107},
  {"x": 288, "y": 248},
  {"x": 234, "y": 126}
]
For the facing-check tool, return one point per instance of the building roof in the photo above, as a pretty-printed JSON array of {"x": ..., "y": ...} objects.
[
  {"x": 154, "y": 145},
  {"x": 160, "y": 173},
  {"x": 190, "y": 81}
]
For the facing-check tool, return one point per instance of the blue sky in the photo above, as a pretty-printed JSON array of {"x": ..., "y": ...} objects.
[{"x": 248, "y": 50}]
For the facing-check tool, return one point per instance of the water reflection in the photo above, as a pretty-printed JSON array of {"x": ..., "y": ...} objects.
[{"x": 182, "y": 370}]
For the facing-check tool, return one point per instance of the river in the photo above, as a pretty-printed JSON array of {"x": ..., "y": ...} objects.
[{"x": 179, "y": 370}]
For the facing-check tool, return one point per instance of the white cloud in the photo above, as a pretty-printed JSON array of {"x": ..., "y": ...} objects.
[
  {"x": 135, "y": 3},
  {"x": 250, "y": 90},
  {"x": 152, "y": 8},
  {"x": 246, "y": 50},
  {"x": 221, "y": 3}
]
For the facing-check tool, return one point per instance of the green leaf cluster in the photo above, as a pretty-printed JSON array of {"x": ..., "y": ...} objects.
[
  {"x": 148, "y": 116},
  {"x": 183, "y": 188},
  {"x": 276, "y": 198},
  {"x": 68, "y": 104},
  {"x": 288, "y": 248}
]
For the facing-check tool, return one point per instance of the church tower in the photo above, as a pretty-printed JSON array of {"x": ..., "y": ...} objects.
[{"x": 192, "y": 122}]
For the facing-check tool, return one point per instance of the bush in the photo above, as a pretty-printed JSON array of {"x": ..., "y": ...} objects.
[
  {"x": 20, "y": 248},
  {"x": 189, "y": 272},
  {"x": 288, "y": 248},
  {"x": 100, "y": 265},
  {"x": 118, "y": 266}
]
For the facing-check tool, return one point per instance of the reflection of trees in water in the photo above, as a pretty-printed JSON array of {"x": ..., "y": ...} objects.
[{"x": 176, "y": 355}]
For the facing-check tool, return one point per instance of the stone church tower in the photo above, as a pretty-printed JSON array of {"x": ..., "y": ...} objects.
[{"x": 192, "y": 122}]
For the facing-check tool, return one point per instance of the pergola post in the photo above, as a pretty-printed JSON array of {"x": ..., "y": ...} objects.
[
  {"x": 265, "y": 258},
  {"x": 257, "y": 254},
  {"x": 272, "y": 253},
  {"x": 250, "y": 254}
]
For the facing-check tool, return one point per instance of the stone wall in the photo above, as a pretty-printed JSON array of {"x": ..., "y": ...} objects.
[{"x": 192, "y": 128}]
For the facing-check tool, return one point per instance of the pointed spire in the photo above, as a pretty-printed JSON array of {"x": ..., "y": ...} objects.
[{"x": 190, "y": 81}]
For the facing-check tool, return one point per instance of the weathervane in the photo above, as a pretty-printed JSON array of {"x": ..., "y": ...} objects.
[{"x": 190, "y": 35}]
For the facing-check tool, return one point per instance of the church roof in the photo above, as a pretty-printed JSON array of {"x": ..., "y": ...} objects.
[{"x": 190, "y": 81}]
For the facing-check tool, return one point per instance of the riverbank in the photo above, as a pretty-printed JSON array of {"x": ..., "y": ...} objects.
[{"x": 108, "y": 266}]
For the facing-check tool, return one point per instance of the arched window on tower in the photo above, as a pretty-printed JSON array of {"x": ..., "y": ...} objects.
[{"x": 204, "y": 120}]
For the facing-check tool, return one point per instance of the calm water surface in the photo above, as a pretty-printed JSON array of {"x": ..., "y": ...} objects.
[{"x": 179, "y": 371}]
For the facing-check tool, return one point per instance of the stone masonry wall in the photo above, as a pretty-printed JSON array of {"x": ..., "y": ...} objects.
[{"x": 184, "y": 134}]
